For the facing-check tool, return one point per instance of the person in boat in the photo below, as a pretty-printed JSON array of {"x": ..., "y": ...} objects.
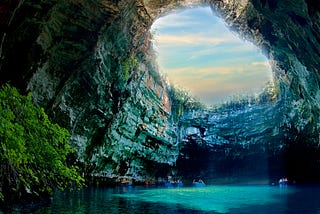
[
  {"x": 126, "y": 182},
  {"x": 283, "y": 181},
  {"x": 198, "y": 182}
]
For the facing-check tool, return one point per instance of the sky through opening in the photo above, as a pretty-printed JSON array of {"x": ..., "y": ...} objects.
[{"x": 197, "y": 52}]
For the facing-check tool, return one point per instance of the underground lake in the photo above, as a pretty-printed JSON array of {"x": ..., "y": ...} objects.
[{"x": 209, "y": 199}]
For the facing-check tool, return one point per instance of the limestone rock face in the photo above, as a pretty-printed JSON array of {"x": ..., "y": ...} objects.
[
  {"x": 90, "y": 64},
  {"x": 288, "y": 33},
  {"x": 232, "y": 143}
]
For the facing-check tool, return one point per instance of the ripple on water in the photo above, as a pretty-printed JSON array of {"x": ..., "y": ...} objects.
[
  {"x": 209, "y": 199},
  {"x": 221, "y": 199}
]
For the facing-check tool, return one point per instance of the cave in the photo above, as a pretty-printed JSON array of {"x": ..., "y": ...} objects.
[{"x": 91, "y": 66}]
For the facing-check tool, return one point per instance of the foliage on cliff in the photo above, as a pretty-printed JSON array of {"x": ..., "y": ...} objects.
[
  {"x": 269, "y": 95},
  {"x": 128, "y": 64},
  {"x": 34, "y": 152},
  {"x": 182, "y": 101}
]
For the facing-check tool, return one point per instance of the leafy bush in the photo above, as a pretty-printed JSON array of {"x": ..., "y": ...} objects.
[
  {"x": 33, "y": 150},
  {"x": 182, "y": 102},
  {"x": 128, "y": 64}
]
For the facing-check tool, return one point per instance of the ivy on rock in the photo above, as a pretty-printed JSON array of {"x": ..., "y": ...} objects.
[{"x": 33, "y": 158}]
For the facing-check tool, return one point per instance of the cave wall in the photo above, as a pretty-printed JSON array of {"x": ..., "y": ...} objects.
[
  {"x": 90, "y": 64},
  {"x": 288, "y": 33},
  {"x": 238, "y": 142}
]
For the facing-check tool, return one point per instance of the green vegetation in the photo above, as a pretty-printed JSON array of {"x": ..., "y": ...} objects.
[
  {"x": 182, "y": 101},
  {"x": 124, "y": 69},
  {"x": 269, "y": 95},
  {"x": 127, "y": 65},
  {"x": 34, "y": 152}
]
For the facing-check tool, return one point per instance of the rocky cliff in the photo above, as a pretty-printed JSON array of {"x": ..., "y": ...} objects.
[
  {"x": 90, "y": 64},
  {"x": 232, "y": 143},
  {"x": 288, "y": 33}
]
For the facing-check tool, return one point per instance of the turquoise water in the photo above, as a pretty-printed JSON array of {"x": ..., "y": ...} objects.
[
  {"x": 209, "y": 199},
  {"x": 220, "y": 199}
]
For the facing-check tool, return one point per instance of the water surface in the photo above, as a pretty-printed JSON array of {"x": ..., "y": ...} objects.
[{"x": 209, "y": 199}]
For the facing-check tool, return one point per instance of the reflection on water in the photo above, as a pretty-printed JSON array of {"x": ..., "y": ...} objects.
[{"x": 209, "y": 199}]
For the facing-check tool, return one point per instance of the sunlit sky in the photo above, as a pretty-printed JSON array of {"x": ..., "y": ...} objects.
[{"x": 199, "y": 53}]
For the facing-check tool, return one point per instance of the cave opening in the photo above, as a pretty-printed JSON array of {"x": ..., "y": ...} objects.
[{"x": 196, "y": 51}]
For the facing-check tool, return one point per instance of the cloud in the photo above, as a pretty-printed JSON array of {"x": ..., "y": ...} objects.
[
  {"x": 227, "y": 47},
  {"x": 182, "y": 18},
  {"x": 174, "y": 20},
  {"x": 260, "y": 64},
  {"x": 214, "y": 82},
  {"x": 189, "y": 39},
  {"x": 215, "y": 71},
  {"x": 198, "y": 52}
]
